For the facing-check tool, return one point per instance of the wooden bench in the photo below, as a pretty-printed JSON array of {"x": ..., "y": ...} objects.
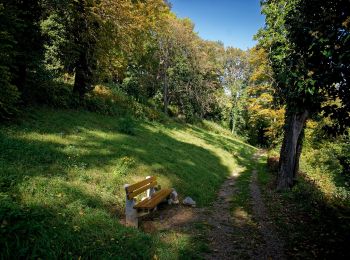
[{"x": 133, "y": 210}]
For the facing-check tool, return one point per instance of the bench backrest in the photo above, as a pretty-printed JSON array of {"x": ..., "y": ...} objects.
[{"x": 135, "y": 189}]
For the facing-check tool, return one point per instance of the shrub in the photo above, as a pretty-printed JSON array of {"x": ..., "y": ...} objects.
[{"x": 54, "y": 94}]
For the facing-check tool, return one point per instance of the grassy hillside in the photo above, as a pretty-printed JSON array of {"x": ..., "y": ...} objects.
[{"x": 62, "y": 175}]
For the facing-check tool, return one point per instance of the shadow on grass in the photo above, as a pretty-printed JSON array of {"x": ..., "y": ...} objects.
[{"x": 311, "y": 225}]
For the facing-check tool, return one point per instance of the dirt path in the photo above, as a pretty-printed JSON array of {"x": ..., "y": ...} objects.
[
  {"x": 234, "y": 232},
  {"x": 223, "y": 229},
  {"x": 273, "y": 248}
]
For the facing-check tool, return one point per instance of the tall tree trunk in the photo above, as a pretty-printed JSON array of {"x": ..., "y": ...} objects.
[
  {"x": 165, "y": 93},
  {"x": 233, "y": 120},
  {"x": 84, "y": 73},
  {"x": 85, "y": 44},
  {"x": 21, "y": 77},
  {"x": 291, "y": 149}
]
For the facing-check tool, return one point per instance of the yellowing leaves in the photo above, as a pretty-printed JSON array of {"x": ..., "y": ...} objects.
[{"x": 261, "y": 108}]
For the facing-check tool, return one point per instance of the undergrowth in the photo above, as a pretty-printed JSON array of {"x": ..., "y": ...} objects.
[{"x": 307, "y": 217}]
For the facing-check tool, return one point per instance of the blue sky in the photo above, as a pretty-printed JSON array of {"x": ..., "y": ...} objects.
[{"x": 234, "y": 22}]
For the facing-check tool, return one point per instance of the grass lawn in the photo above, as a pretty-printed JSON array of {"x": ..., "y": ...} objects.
[{"x": 62, "y": 175}]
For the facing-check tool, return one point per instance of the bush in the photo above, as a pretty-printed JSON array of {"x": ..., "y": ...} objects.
[
  {"x": 325, "y": 161},
  {"x": 105, "y": 100},
  {"x": 54, "y": 94}
]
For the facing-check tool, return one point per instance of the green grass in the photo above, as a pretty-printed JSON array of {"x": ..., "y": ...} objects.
[{"x": 62, "y": 175}]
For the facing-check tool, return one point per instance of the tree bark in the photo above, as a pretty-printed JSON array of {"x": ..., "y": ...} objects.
[
  {"x": 291, "y": 149},
  {"x": 84, "y": 73},
  {"x": 233, "y": 121},
  {"x": 86, "y": 63},
  {"x": 21, "y": 77},
  {"x": 165, "y": 93}
]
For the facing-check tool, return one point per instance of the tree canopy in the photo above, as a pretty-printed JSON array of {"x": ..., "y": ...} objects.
[{"x": 308, "y": 47}]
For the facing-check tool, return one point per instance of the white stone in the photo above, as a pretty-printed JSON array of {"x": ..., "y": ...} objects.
[{"x": 189, "y": 202}]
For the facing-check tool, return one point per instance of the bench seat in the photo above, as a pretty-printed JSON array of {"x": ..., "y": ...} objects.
[{"x": 152, "y": 202}]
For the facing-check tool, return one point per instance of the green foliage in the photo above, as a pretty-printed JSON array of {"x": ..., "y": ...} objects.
[
  {"x": 56, "y": 40},
  {"x": 307, "y": 43},
  {"x": 323, "y": 56},
  {"x": 54, "y": 94},
  {"x": 344, "y": 160},
  {"x": 9, "y": 95},
  {"x": 190, "y": 70},
  {"x": 254, "y": 113},
  {"x": 104, "y": 100},
  {"x": 80, "y": 42},
  {"x": 235, "y": 76},
  {"x": 25, "y": 49},
  {"x": 131, "y": 85},
  {"x": 322, "y": 161}
]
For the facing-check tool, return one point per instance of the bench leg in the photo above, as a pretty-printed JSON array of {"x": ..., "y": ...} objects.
[{"x": 131, "y": 215}]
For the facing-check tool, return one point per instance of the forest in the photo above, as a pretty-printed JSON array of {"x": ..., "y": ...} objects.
[{"x": 88, "y": 84}]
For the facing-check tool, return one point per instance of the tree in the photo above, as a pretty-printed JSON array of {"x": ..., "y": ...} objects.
[
  {"x": 97, "y": 40},
  {"x": 190, "y": 69},
  {"x": 236, "y": 71},
  {"x": 264, "y": 115},
  {"x": 308, "y": 46}
]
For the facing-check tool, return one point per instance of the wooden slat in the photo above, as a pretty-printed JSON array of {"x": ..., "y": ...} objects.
[
  {"x": 145, "y": 201},
  {"x": 142, "y": 189},
  {"x": 156, "y": 199},
  {"x": 151, "y": 203},
  {"x": 138, "y": 185}
]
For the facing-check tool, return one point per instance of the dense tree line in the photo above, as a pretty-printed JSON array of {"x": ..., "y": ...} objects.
[{"x": 141, "y": 46}]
